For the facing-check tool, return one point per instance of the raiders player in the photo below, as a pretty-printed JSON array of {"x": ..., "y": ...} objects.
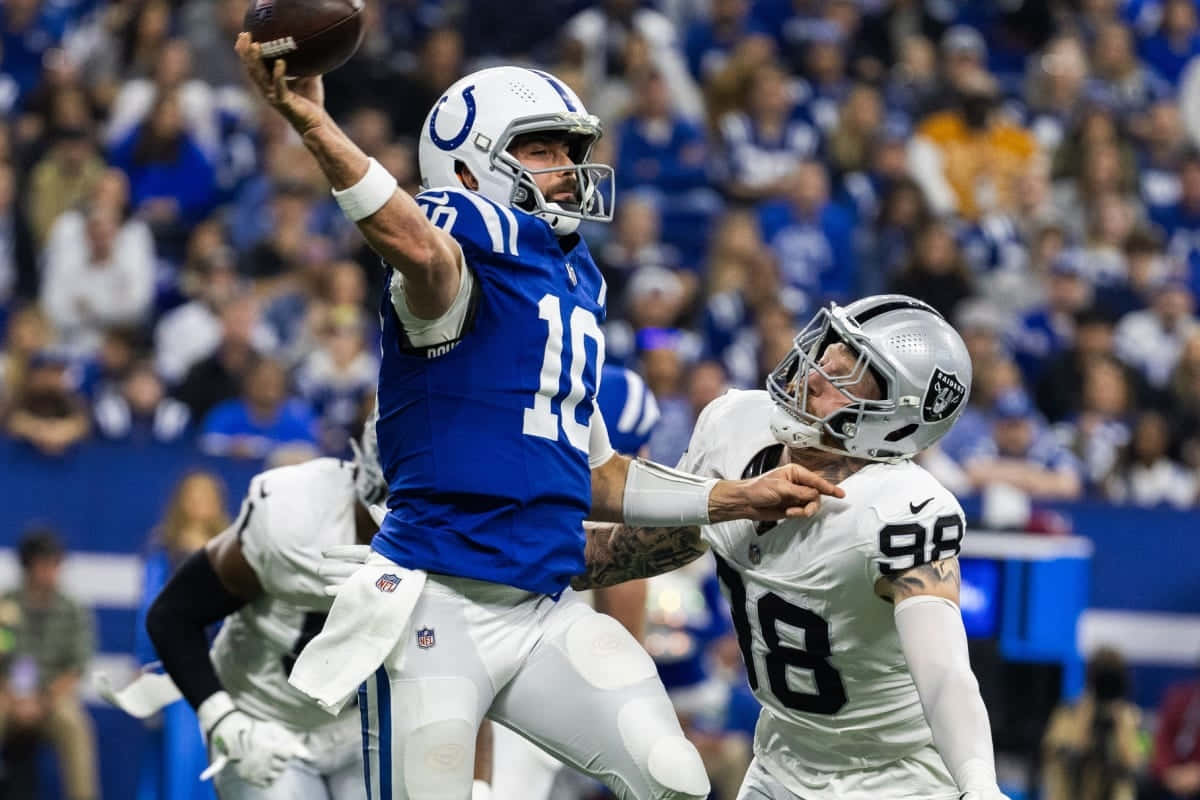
[
  {"x": 848, "y": 621},
  {"x": 261, "y": 573}
]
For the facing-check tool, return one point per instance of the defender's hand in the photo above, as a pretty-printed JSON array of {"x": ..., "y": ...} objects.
[
  {"x": 257, "y": 750},
  {"x": 301, "y": 102},
  {"x": 787, "y": 491}
]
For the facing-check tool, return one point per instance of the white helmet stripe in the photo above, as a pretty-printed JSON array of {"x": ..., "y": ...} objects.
[{"x": 512, "y": 229}]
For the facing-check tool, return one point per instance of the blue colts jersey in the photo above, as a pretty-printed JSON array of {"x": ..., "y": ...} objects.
[{"x": 484, "y": 440}]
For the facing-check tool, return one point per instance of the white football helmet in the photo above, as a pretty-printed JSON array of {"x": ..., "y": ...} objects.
[
  {"x": 919, "y": 361},
  {"x": 477, "y": 119}
]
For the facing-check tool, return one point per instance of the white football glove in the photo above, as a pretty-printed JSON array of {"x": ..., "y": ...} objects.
[
  {"x": 339, "y": 562},
  {"x": 257, "y": 750}
]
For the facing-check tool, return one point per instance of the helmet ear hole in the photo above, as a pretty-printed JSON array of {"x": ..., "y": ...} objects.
[
  {"x": 465, "y": 175},
  {"x": 838, "y": 422}
]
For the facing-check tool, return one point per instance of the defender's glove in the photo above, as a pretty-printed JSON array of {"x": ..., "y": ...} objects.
[{"x": 257, "y": 750}]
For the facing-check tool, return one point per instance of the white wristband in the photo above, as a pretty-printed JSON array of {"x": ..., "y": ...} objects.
[
  {"x": 481, "y": 790},
  {"x": 659, "y": 497},
  {"x": 369, "y": 195}
]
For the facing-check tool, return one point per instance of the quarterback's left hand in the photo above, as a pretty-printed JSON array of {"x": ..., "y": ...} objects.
[{"x": 787, "y": 491}]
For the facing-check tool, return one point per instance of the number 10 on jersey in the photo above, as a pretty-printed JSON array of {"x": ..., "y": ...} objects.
[{"x": 541, "y": 420}]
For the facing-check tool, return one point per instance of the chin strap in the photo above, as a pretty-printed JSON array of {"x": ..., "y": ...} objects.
[
  {"x": 798, "y": 435},
  {"x": 560, "y": 224},
  {"x": 792, "y": 432}
]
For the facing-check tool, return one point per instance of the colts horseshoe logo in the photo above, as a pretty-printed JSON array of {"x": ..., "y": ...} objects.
[{"x": 468, "y": 95}]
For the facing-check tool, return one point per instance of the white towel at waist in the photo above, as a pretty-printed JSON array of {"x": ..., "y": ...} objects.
[{"x": 369, "y": 617}]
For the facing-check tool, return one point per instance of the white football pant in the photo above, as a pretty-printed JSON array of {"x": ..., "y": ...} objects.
[
  {"x": 573, "y": 681},
  {"x": 921, "y": 776}
]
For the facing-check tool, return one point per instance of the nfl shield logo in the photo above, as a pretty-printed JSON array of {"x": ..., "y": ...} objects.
[
  {"x": 387, "y": 582},
  {"x": 425, "y": 638}
]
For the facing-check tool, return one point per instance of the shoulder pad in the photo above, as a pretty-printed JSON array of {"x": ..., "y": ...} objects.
[
  {"x": 473, "y": 220},
  {"x": 730, "y": 431}
]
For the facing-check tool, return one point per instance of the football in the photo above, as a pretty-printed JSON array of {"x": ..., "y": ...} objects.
[{"x": 311, "y": 36}]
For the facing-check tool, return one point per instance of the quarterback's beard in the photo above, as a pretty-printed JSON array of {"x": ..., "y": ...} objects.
[{"x": 565, "y": 193}]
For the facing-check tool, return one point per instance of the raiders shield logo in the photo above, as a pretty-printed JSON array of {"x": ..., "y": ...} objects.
[{"x": 943, "y": 396}]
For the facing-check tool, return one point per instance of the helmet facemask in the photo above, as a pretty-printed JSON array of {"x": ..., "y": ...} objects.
[
  {"x": 581, "y": 131},
  {"x": 789, "y": 386}
]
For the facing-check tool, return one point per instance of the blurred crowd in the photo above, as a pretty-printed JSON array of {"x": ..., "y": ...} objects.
[
  {"x": 172, "y": 265},
  {"x": 173, "y": 268}
]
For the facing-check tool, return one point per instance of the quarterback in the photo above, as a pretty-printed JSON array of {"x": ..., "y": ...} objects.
[
  {"x": 494, "y": 455},
  {"x": 848, "y": 620}
]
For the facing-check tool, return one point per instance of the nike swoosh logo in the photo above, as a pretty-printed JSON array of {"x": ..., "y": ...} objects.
[
  {"x": 262, "y": 491},
  {"x": 916, "y": 507}
]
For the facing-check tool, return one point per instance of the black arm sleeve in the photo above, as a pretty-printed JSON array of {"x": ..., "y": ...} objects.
[{"x": 192, "y": 600}]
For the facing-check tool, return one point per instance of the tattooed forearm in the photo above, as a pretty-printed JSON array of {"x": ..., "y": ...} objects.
[
  {"x": 618, "y": 553},
  {"x": 941, "y": 578}
]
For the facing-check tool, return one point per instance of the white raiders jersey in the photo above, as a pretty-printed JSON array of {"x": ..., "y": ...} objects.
[
  {"x": 288, "y": 517},
  {"x": 821, "y": 649}
]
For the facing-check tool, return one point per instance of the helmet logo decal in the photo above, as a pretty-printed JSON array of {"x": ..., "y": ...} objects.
[
  {"x": 943, "y": 396},
  {"x": 558, "y": 87},
  {"x": 468, "y": 95}
]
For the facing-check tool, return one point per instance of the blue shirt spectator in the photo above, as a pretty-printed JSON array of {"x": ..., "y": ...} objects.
[
  {"x": 1023, "y": 453},
  {"x": 825, "y": 85},
  {"x": 661, "y": 151},
  {"x": 262, "y": 419},
  {"x": 1181, "y": 222},
  {"x": 1120, "y": 81},
  {"x": 768, "y": 140},
  {"x": 1049, "y": 329},
  {"x": 174, "y": 752},
  {"x": 709, "y": 42},
  {"x": 171, "y": 182},
  {"x": 1170, "y": 48},
  {"x": 812, "y": 238},
  {"x": 27, "y": 31}
]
